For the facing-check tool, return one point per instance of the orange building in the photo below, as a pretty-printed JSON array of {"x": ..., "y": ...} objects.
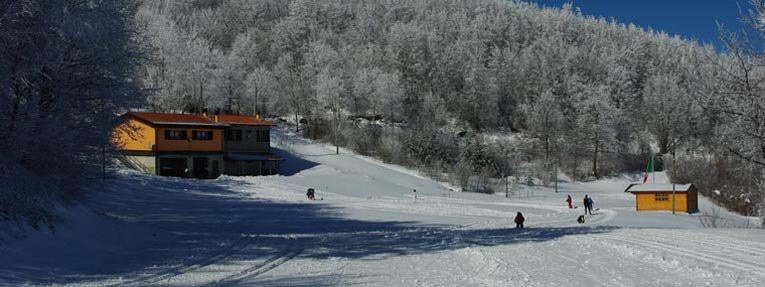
[
  {"x": 171, "y": 144},
  {"x": 659, "y": 197}
]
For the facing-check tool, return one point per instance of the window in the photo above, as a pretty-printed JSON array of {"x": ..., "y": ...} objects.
[
  {"x": 202, "y": 135},
  {"x": 175, "y": 134},
  {"x": 262, "y": 136},
  {"x": 662, "y": 197},
  {"x": 234, "y": 135}
]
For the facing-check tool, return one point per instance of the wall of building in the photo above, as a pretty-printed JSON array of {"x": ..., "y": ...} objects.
[
  {"x": 249, "y": 141},
  {"x": 189, "y": 144},
  {"x": 647, "y": 201},
  {"x": 145, "y": 163},
  {"x": 133, "y": 135},
  {"x": 210, "y": 159},
  {"x": 239, "y": 168}
]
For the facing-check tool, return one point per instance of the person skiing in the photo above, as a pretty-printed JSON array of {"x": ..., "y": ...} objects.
[
  {"x": 310, "y": 194},
  {"x": 590, "y": 203},
  {"x": 569, "y": 201},
  {"x": 587, "y": 205},
  {"x": 414, "y": 191},
  {"x": 519, "y": 220}
]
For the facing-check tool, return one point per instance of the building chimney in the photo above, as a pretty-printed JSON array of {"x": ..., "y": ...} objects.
[
  {"x": 257, "y": 116},
  {"x": 216, "y": 118}
]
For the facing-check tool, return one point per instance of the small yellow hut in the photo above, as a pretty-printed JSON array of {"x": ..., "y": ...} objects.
[{"x": 659, "y": 197}]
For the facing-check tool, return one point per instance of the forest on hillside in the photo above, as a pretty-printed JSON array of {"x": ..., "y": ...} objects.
[
  {"x": 472, "y": 92},
  {"x": 476, "y": 93}
]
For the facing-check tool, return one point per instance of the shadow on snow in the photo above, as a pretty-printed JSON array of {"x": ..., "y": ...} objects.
[{"x": 199, "y": 223}]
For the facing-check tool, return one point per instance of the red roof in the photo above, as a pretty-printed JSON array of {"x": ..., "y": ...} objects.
[
  {"x": 173, "y": 119},
  {"x": 241, "y": 120}
]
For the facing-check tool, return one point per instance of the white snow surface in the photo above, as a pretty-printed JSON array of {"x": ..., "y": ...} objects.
[{"x": 141, "y": 230}]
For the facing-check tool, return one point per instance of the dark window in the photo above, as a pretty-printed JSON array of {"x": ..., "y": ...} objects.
[
  {"x": 202, "y": 135},
  {"x": 234, "y": 135},
  {"x": 262, "y": 136},
  {"x": 175, "y": 134}
]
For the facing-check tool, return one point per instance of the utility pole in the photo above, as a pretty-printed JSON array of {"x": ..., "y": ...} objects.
[
  {"x": 674, "y": 178},
  {"x": 504, "y": 174},
  {"x": 337, "y": 126},
  {"x": 653, "y": 172},
  {"x": 556, "y": 166}
]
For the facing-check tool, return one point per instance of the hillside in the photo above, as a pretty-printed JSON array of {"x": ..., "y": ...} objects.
[
  {"x": 427, "y": 83},
  {"x": 368, "y": 230}
]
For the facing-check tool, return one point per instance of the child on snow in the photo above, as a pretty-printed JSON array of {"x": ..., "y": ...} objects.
[
  {"x": 569, "y": 201},
  {"x": 519, "y": 220},
  {"x": 310, "y": 194}
]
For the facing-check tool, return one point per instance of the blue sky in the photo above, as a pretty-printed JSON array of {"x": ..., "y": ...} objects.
[{"x": 689, "y": 18}]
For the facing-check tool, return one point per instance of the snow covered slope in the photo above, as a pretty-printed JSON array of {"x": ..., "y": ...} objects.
[{"x": 369, "y": 230}]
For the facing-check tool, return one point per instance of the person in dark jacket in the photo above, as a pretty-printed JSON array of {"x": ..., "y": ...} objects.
[
  {"x": 519, "y": 220},
  {"x": 587, "y": 205}
]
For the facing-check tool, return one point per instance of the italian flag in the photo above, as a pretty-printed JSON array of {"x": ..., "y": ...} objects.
[{"x": 649, "y": 168}]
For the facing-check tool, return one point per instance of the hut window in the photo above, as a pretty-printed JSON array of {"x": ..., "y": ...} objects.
[
  {"x": 234, "y": 135},
  {"x": 175, "y": 134},
  {"x": 262, "y": 136},
  {"x": 202, "y": 135},
  {"x": 662, "y": 197}
]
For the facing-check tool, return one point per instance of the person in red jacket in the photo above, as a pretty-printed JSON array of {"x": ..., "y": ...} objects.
[
  {"x": 519, "y": 220},
  {"x": 569, "y": 201}
]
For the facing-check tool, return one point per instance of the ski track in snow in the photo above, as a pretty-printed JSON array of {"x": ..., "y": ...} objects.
[{"x": 371, "y": 232}]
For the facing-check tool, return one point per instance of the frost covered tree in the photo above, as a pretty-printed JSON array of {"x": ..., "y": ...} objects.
[
  {"x": 66, "y": 71},
  {"x": 545, "y": 122},
  {"x": 260, "y": 88},
  {"x": 444, "y": 69},
  {"x": 328, "y": 89}
]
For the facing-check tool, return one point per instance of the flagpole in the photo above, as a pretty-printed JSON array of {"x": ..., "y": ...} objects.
[{"x": 653, "y": 168}]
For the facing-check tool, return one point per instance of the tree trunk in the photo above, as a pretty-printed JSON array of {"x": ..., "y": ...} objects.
[
  {"x": 664, "y": 144},
  {"x": 297, "y": 121},
  {"x": 15, "y": 106},
  {"x": 595, "y": 159}
]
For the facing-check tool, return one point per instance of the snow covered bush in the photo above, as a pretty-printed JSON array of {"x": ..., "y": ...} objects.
[{"x": 24, "y": 198}]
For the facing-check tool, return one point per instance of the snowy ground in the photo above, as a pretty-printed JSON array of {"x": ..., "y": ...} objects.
[{"x": 141, "y": 230}]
